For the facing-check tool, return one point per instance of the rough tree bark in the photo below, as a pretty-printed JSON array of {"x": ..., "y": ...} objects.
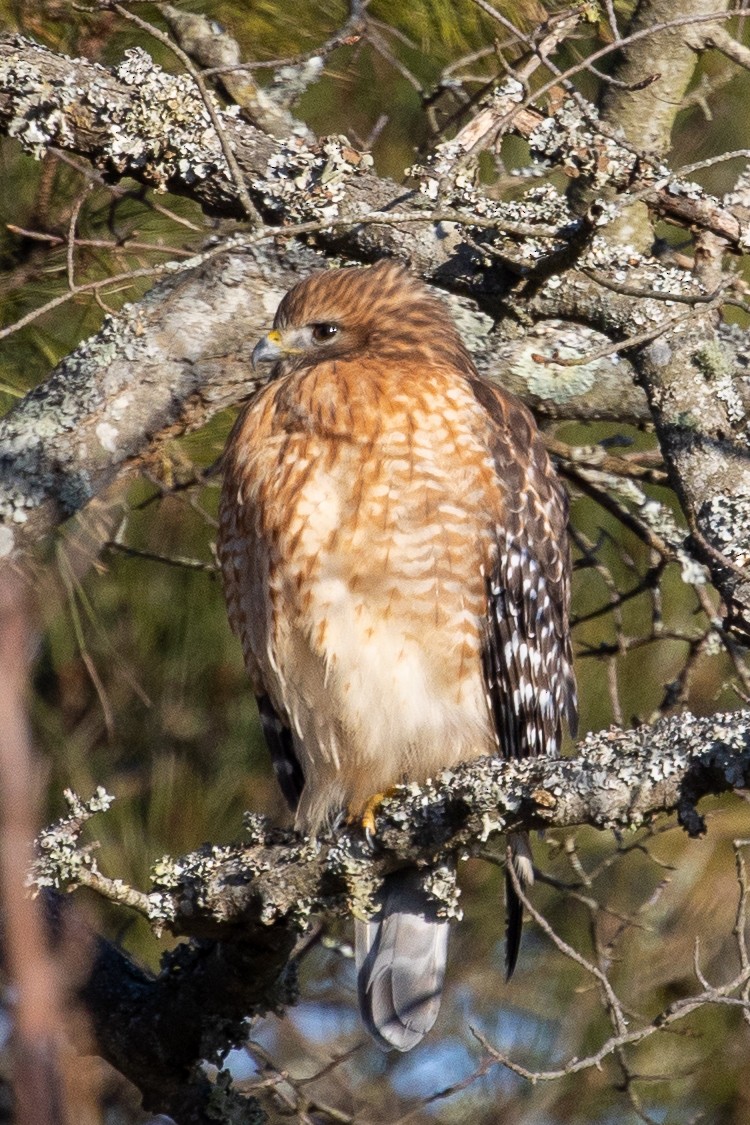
[{"x": 580, "y": 267}]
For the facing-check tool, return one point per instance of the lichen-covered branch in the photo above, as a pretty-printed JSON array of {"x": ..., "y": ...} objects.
[
  {"x": 138, "y": 121},
  {"x": 698, "y": 399},
  {"x": 248, "y": 904},
  {"x": 619, "y": 780},
  {"x": 160, "y": 367},
  {"x": 689, "y": 378}
]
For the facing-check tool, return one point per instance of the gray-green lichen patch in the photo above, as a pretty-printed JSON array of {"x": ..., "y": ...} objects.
[
  {"x": 308, "y": 181},
  {"x": 60, "y": 854},
  {"x": 348, "y": 862},
  {"x": 717, "y": 367},
  {"x": 661, "y": 520},
  {"x": 39, "y": 118},
  {"x": 147, "y": 121},
  {"x": 655, "y": 283},
  {"x": 542, "y": 206},
  {"x": 473, "y": 325},
  {"x": 440, "y": 883},
  {"x": 255, "y": 828},
  {"x": 165, "y": 130},
  {"x": 191, "y": 880},
  {"x": 555, "y": 382},
  {"x": 41, "y": 440},
  {"x": 725, "y": 520},
  {"x": 714, "y": 360},
  {"x": 571, "y": 138},
  {"x": 514, "y": 238},
  {"x": 290, "y": 82}
]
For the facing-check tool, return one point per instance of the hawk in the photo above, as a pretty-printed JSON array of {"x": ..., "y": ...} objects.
[{"x": 394, "y": 552}]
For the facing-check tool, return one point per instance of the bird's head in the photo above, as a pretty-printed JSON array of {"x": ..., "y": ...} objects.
[{"x": 380, "y": 310}]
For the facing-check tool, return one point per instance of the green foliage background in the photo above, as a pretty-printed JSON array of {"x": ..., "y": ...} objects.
[{"x": 139, "y": 686}]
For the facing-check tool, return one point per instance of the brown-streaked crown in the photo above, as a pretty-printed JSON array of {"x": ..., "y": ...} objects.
[{"x": 381, "y": 310}]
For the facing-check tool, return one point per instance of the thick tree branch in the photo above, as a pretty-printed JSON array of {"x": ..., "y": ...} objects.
[
  {"x": 255, "y": 899},
  {"x": 620, "y": 780},
  {"x": 138, "y": 121},
  {"x": 157, "y": 1030},
  {"x": 141, "y": 122},
  {"x": 645, "y": 113},
  {"x": 697, "y": 398}
]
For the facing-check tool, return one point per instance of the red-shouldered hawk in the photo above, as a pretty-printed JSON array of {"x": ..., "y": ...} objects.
[{"x": 393, "y": 543}]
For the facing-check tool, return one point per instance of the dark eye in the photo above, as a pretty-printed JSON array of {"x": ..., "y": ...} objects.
[{"x": 321, "y": 332}]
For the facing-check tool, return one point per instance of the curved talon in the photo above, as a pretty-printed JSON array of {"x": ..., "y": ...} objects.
[
  {"x": 368, "y": 817},
  {"x": 365, "y": 816}
]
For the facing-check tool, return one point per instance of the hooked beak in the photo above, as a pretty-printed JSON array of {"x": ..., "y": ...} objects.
[{"x": 267, "y": 350}]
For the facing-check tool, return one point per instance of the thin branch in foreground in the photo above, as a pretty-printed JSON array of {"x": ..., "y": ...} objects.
[
  {"x": 41, "y": 1080},
  {"x": 92, "y": 287},
  {"x": 741, "y": 922},
  {"x": 677, "y": 1011},
  {"x": 116, "y": 246},
  {"x": 613, "y": 1003},
  {"x": 179, "y": 561},
  {"x": 448, "y": 1091}
]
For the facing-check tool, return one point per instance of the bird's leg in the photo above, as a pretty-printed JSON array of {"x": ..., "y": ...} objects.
[{"x": 365, "y": 816}]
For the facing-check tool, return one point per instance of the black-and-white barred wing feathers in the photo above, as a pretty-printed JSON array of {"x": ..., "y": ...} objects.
[
  {"x": 527, "y": 652},
  {"x": 527, "y": 656}
]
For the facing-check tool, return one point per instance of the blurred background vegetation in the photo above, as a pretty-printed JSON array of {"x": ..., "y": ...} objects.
[{"x": 139, "y": 685}]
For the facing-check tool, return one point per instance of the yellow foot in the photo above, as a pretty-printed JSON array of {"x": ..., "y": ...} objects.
[{"x": 365, "y": 815}]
